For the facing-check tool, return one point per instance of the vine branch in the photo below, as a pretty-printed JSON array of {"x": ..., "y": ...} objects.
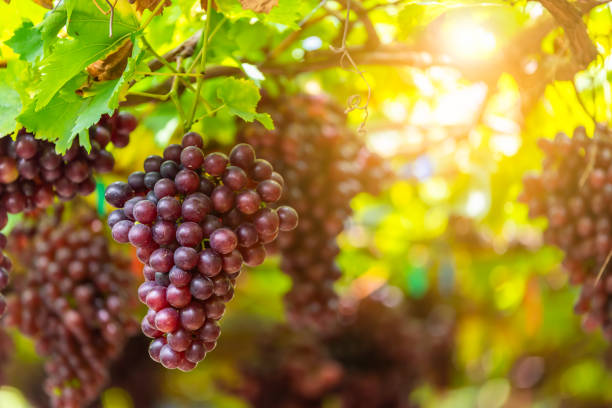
[{"x": 570, "y": 18}]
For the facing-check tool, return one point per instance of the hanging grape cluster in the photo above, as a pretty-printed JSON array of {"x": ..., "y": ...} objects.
[
  {"x": 374, "y": 359},
  {"x": 325, "y": 165},
  {"x": 574, "y": 192},
  {"x": 195, "y": 219},
  {"x": 72, "y": 298},
  {"x": 32, "y": 174}
]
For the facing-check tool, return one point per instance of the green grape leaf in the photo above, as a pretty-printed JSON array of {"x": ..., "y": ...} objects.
[
  {"x": 89, "y": 42},
  {"x": 74, "y": 108},
  {"x": 54, "y": 122},
  {"x": 51, "y": 26},
  {"x": 10, "y": 104},
  {"x": 27, "y": 42},
  {"x": 103, "y": 97},
  {"x": 240, "y": 97}
]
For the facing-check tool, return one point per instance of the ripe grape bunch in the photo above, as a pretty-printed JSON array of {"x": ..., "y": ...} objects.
[
  {"x": 72, "y": 298},
  {"x": 32, "y": 174},
  {"x": 574, "y": 192},
  {"x": 195, "y": 220},
  {"x": 325, "y": 166},
  {"x": 355, "y": 363}
]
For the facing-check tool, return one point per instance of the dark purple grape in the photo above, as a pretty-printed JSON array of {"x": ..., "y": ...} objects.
[
  {"x": 145, "y": 212},
  {"x": 163, "y": 232},
  {"x": 165, "y": 188},
  {"x": 121, "y": 231},
  {"x": 173, "y": 152},
  {"x": 222, "y": 198},
  {"x": 269, "y": 191},
  {"x": 167, "y": 319},
  {"x": 178, "y": 297},
  {"x": 288, "y": 218},
  {"x": 201, "y": 287},
  {"x": 179, "y": 340},
  {"x": 118, "y": 193},
  {"x": 261, "y": 170},
  {"x": 187, "y": 181},
  {"x": 196, "y": 208},
  {"x": 192, "y": 139},
  {"x": 152, "y": 164},
  {"x": 192, "y": 157},
  {"x": 242, "y": 155},
  {"x": 115, "y": 216},
  {"x": 169, "y": 169},
  {"x": 193, "y": 316},
  {"x": 248, "y": 202},
  {"x": 140, "y": 235},
  {"x": 235, "y": 178},
  {"x": 215, "y": 163},
  {"x": 136, "y": 180},
  {"x": 223, "y": 240},
  {"x": 189, "y": 234},
  {"x": 247, "y": 235},
  {"x": 179, "y": 277},
  {"x": 186, "y": 258},
  {"x": 162, "y": 260},
  {"x": 209, "y": 263},
  {"x": 26, "y": 146},
  {"x": 151, "y": 178},
  {"x": 169, "y": 209}
]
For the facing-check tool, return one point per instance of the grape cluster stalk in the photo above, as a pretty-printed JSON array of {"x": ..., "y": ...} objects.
[
  {"x": 195, "y": 219},
  {"x": 374, "y": 359},
  {"x": 32, "y": 174},
  {"x": 325, "y": 166},
  {"x": 72, "y": 298},
  {"x": 574, "y": 193}
]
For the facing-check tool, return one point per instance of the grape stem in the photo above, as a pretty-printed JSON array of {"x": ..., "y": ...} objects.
[
  {"x": 175, "y": 97},
  {"x": 207, "y": 114},
  {"x": 210, "y": 37},
  {"x": 167, "y": 64},
  {"x": 202, "y": 65}
]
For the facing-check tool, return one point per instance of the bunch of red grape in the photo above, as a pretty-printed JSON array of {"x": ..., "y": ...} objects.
[
  {"x": 195, "y": 219},
  {"x": 574, "y": 192},
  {"x": 374, "y": 358},
  {"x": 32, "y": 174},
  {"x": 73, "y": 300},
  {"x": 325, "y": 166},
  {"x": 289, "y": 369}
]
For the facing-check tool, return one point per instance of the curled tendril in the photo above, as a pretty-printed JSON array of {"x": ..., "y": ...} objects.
[{"x": 354, "y": 101}]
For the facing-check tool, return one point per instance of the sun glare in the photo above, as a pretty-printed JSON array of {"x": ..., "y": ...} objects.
[{"x": 470, "y": 41}]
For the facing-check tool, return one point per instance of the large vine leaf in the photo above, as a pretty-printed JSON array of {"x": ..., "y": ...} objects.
[
  {"x": 104, "y": 97},
  {"x": 10, "y": 104},
  {"x": 27, "y": 42},
  {"x": 55, "y": 120},
  {"x": 73, "y": 109},
  {"x": 89, "y": 42},
  {"x": 241, "y": 97}
]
